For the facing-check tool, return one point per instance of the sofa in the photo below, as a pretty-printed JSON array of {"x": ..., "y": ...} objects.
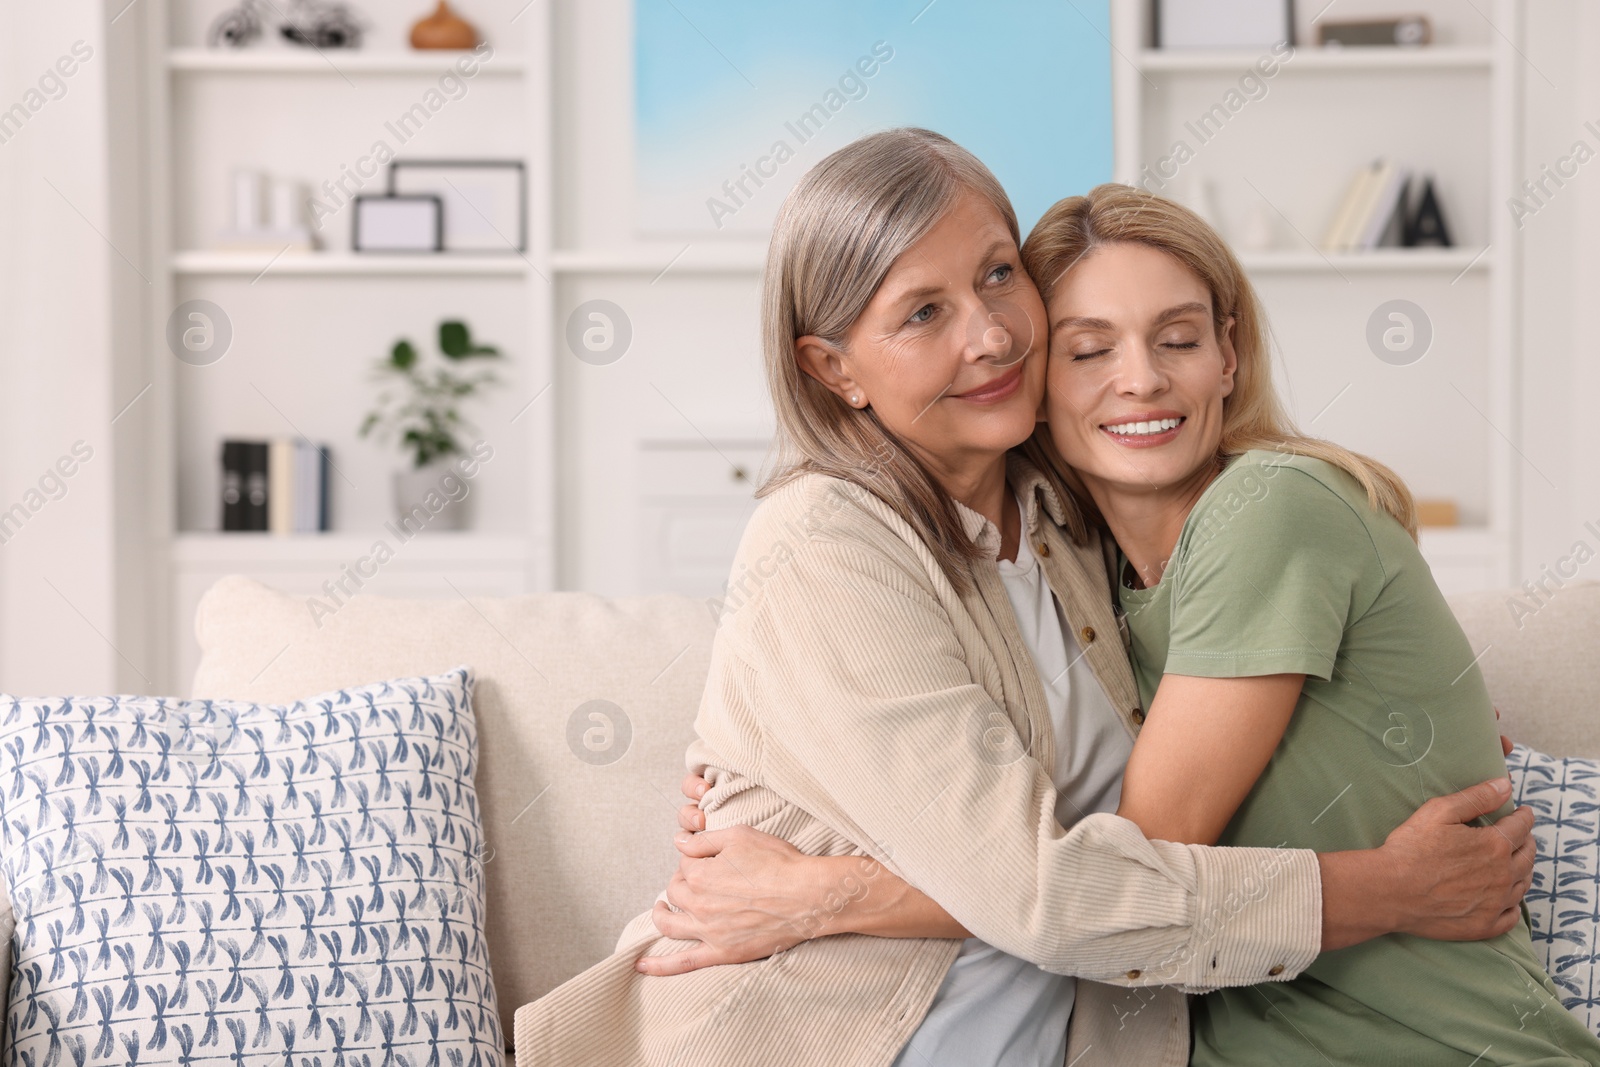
[{"x": 585, "y": 705}]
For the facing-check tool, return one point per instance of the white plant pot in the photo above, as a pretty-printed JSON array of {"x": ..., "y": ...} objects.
[{"x": 421, "y": 502}]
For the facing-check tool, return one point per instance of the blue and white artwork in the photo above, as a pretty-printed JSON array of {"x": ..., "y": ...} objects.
[{"x": 734, "y": 101}]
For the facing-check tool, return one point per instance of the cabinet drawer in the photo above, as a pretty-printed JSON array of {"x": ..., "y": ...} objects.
[{"x": 696, "y": 469}]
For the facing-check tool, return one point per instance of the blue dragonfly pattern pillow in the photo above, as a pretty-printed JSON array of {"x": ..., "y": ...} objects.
[
  {"x": 218, "y": 882},
  {"x": 1564, "y": 902}
]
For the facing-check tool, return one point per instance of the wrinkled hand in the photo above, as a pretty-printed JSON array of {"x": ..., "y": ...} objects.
[
  {"x": 741, "y": 894},
  {"x": 1468, "y": 881}
]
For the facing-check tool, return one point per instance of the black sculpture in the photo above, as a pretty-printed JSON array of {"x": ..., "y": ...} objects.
[{"x": 309, "y": 23}]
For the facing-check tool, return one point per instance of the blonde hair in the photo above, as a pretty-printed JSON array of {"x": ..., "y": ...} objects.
[
  {"x": 839, "y": 231},
  {"x": 1252, "y": 416}
]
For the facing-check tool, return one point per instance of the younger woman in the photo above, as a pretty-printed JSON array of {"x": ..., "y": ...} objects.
[{"x": 1307, "y": 686}]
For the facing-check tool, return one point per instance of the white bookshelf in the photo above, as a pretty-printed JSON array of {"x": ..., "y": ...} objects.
[
  {"x": 308, "y": 326},
  {"x": 1448, "y": 109}
]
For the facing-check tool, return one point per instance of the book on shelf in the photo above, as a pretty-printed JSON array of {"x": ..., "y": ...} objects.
[
  {"x": 279, "y": 486},
  {"x": 1386, "y": 220},
  {"x": 1333, "y": 239},
  {"x": 1376, "y": 211}
]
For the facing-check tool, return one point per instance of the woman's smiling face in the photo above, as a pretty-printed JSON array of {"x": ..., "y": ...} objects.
[
  {"x": 1138, "y": 371},
  {"x": 942, "y": 351}
]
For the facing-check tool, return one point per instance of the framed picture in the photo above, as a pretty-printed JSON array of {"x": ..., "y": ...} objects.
[
  {"x": 1224, "y": 23},
  {"x": 409, "y": 223},
  {"x": 484, "y": 200}
]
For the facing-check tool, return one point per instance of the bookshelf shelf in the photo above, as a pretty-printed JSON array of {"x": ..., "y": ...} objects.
[
  {"x": 710, "y": 259},
  {"x": 696, "y": 258},
  {"x": 1435, "y": 57},
  {"x": 1458, "y": 540},
  {"x": 264, "y": 265},
  {"x": 1450, "y": 261},
  {"x": 330, "y": 63},
  {"x": 433, "y": 563},
  {"x": 249, "y": 550}
]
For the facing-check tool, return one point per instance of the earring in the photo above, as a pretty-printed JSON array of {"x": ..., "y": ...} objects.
[{"x": 855, "y": 399}]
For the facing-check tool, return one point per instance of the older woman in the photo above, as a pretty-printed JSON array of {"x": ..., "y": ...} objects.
[{"x": 920, "y": 670}]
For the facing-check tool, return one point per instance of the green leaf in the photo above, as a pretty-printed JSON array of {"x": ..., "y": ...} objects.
[
  {"x": 404, "y": 357},
  {"x": 455, "y": 341}
]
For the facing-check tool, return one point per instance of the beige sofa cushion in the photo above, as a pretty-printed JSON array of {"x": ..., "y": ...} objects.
[
  {"x": 1542, "y": 663},
  {"x": 577, "y": 835}
]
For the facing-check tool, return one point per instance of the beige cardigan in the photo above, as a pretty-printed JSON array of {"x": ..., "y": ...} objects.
[{"x": 859, "y": 705}]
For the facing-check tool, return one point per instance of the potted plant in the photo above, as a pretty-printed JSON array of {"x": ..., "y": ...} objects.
[{"x": 420, "y": 407}]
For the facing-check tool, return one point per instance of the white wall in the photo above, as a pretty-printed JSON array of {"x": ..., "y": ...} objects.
[
  {"x": 61, "y": 267},
  {"x": 1560, "y": 386}
]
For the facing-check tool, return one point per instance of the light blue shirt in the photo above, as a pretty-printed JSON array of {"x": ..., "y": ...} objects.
[{"x": 994, "y": 1008}]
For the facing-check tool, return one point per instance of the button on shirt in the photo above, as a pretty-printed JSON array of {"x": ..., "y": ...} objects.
[{"x": 995, "y": 1008}]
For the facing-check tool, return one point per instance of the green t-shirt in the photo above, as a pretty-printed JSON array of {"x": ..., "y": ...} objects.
[{"x": 1283, "y": 567}]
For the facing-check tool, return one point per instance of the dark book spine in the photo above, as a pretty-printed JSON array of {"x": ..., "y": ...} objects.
[
  {"x": 255, "y": 485},
  {"x": 233, "y": 478},
  {"x": 322, "y": 487}
]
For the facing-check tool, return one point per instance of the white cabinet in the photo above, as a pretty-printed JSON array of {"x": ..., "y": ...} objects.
[{"x": 695, "y": 498}]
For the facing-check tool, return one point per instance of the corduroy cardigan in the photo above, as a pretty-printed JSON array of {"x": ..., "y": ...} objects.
[{"x": 858, "y": 703}]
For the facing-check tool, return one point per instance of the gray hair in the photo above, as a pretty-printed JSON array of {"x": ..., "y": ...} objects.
[{"x": 839, "y": 231}]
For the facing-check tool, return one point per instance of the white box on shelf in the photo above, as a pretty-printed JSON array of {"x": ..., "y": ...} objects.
[{"x": 1224, "y": 23}]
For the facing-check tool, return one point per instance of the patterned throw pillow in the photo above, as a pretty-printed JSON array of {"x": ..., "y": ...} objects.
[
  {"x": 218, "y": 882},
  {"x": 1564, "y": 902}
]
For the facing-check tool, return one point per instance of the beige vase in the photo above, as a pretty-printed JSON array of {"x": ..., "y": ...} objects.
[
  {"x": 422, "y": 499},
  {"x": 443, "y": 29}
]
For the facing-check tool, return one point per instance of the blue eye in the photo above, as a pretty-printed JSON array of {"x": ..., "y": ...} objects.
[
  {"x": 1004, "y": 270},
  {"x": 922, "y": 314}
]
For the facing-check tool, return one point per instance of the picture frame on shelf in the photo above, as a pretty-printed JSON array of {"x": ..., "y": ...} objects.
[
  {"x": 484, "y": 201},
  {"x": 1216, "y": 24},
  {"x": 411, "y": 222}
]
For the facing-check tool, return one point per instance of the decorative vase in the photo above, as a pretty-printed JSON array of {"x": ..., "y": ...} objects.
[
  {"x": 421, "y": 503},
  {"x": 443, "y": 29},
  {"x": 1260, "y": 233}
]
